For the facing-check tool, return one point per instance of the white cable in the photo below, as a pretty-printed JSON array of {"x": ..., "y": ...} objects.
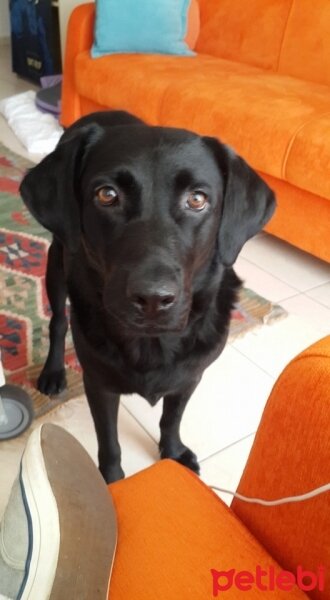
[{"x": 299, "y": 498}]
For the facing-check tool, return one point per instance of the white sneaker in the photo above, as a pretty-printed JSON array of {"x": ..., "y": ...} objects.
[{"x": 58, "y": 534}]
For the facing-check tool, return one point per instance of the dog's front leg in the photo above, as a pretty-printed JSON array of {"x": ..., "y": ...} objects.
[
  {"x": 52, "y": 379},
  {"x": 104, "y": 408},
  {"x": 170, "y": 445}
]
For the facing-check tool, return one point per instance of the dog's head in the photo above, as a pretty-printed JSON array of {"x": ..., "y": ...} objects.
[{"x": 157, "y": 212}]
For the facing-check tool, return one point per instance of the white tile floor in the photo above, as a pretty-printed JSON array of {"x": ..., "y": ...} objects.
[{"x": 223, "y": 415}]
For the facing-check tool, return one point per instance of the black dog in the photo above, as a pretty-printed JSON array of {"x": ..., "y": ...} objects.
[{"x": 147, "y": 223}]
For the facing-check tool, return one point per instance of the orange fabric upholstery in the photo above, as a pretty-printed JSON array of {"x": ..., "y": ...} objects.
[
  {"x": 173, "y": 529},
  {"x": 251, "y": 84},
  {"x": 301, "y": 218},
  {"x": 288, "y": 36},
  {"x": 264, "y": 142},
  {"x": 193, "y": 24},
  {"x": 305, "y": 48},
  {"x": 291, "y": 455},
  {"x": 80, "y": 35},
  {"x": 248, "y": 32},
  {"x": 311, "y": 147},
  {"x": 179, "y": 86}
]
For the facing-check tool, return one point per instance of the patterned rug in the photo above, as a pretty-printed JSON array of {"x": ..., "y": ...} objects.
[{"x": 24, "y": 308}]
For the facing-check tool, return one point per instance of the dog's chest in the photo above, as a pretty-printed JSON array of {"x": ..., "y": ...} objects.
[
  {"x": 155, "y": 368},
  {"x": 148, "y": 366}
]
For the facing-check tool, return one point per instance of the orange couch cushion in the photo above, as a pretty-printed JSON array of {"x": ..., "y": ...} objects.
[
  {"x": 244, "y": 31},
  {"x": 301, "y": 217},
  {"x": 308, "y": 160},
  {"x": 257, "y": 112},
  {"x": 290, "y": 455},
  {"x": 288, "y": 36},
  {"x": 305, "y": 50},
  {"x": 172, "y": 530}
]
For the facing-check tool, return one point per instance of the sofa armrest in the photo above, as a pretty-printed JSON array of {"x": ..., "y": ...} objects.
[
  {"x": 174, "y": 537},
  {"x": 291, "y": 456},
  {"x": 79, "y": 39}
]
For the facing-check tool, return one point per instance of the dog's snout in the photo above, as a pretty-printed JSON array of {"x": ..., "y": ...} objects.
[
  {"x": 152, "y": 303},
  {"x": 153, "y": 299}
]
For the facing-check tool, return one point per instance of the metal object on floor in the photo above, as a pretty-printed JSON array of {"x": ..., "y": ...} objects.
[{"x": 16, "y": 409}]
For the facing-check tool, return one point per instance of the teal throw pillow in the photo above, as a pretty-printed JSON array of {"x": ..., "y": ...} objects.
[{"x": 141, "y": 26}]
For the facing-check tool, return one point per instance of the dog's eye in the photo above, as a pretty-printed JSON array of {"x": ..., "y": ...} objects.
[
  {"x": 107, "y": 195},
  {"x": 196, "y": 200}
]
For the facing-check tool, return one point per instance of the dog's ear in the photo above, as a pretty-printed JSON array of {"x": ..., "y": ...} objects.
[
  {"x": 248, "y": 202},
  {"x": 48, "y": 189}
]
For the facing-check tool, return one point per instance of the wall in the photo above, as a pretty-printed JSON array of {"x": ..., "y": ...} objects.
[{"x": 4, "y": 19}]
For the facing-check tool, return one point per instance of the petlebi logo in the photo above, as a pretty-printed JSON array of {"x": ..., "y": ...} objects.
[{"x": 267, "y": 580}]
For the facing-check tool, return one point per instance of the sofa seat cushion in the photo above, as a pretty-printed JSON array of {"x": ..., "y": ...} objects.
[
  {"x": 257, "y": 112},
  {"x": 172, "y": 530},
  {"x": 138, "y": 82}
]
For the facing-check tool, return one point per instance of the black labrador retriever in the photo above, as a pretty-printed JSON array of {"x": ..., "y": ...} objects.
[{"x": 147, "y": 223}]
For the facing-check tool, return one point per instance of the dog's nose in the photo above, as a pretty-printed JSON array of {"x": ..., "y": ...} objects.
[{"x": 153, "y": 300}]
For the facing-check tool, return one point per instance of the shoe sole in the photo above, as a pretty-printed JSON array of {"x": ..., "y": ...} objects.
[{"x": 72, "y": 520}]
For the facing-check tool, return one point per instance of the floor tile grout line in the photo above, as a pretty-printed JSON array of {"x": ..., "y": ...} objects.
[
  {"x": 271, "y": 375},
  {"x": 202, "y": 460},
  {"x": 295, "y": 291},
  {"x": 269, "y": 273},
  {"x": 303, "y": 294},
  {"x": 282, "y": 280},
  {"x": 288, "y": 298},
  {"x": 307, "y": 297},
  {"x": 254, "y": 264},
  {"x": 139, "y": 423},
  {"x": 314, "y": 299}
]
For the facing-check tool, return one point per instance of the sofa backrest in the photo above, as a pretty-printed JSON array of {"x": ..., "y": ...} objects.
[
  {"x": 305, "y": 50},
  {"x": 288, "y": 36}
]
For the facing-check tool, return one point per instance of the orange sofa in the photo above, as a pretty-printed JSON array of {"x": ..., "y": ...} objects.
[
  {"x": 172, "y": 529},
  {"x": 260, "y": 81}
]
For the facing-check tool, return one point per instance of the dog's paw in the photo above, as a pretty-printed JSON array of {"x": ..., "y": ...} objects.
[
  {"x": 189, "y": 459},
  {"x": 111, "y": 474},
  {"x": 51, "y": 383},
  {"x": 185, "y": 457}
]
